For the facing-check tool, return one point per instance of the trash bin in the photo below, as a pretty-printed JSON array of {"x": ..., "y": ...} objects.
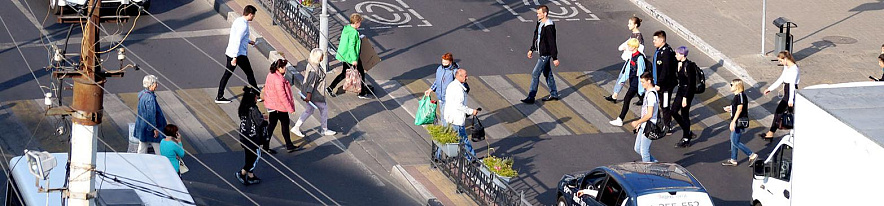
[{"x": 783, "y": 40}]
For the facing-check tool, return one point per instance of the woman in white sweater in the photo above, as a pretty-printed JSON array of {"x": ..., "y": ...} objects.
[{"x": 789, "y": 79}]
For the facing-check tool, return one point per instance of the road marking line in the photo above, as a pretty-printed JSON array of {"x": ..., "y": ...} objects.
[
  {"x": 579, "y": 5},
  {"x": 381, "y": 27},
  {"x": 500, "y": 2},
  {"x": 594, "y": 18},
  {"x": 572, "y": 19},
  {"x": 426, "y": 23},
  {"x": 587, "y": 110},
  {"x": 403, "y": 4},
  {"x": 416, "y": 14},
  {"x": 510, "y": 93},
  {"x": 557, "y": 109},
  {"x": 191, "y": 129},
  {"x": 479, "y": 25},
  {"x": 507, "y": 7},
  {"x": 523, "y": 19},
  {"x": 405, "y": 26}
]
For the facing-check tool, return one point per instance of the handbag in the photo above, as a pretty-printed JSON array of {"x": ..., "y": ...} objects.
[
  {"x": 478, "y": 133},
  {"x": 655, "y": 131},
  {"x": 426, "y": 111},
  {"x": 182, "y": 168},
  {"x": 742, "y": 122},
  {"x": 353, "y": 80},
  {"x": 786, "y": 120}
]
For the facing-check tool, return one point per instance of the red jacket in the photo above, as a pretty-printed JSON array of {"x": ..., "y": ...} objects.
[{"x": 278, "y": 93}]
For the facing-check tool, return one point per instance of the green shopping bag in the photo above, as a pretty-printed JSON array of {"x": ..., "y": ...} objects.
[{"x": 426, "y": 111}]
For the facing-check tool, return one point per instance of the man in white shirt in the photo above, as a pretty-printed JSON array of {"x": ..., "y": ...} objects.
[
  {"x": 237, "y": 52},
  {"x": 456, "y": 110}
]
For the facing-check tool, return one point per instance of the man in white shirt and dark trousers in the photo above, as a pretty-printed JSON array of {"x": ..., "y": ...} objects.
[
  {"x": 456, "y": 110},
  {"x": 237, "y": 52},
  {"x": 545, "y": 45}
]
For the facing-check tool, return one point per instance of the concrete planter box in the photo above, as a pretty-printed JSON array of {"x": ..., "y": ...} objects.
[{"x": 450, "y": 149}]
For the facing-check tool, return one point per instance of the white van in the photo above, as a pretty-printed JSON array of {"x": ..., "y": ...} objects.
[{"x": 117, "y": 175}]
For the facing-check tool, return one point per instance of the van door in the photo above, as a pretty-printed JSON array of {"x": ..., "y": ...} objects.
[{"x": 775, "y": 189}]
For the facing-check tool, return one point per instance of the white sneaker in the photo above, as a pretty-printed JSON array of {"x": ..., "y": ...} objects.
[
  {"x": 617, "y": 122},
  {"x": 297, "y": 131},
  {"x": 328, "y": 132}
]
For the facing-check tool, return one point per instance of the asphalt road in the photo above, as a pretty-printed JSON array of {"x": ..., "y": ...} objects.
[
  {"x": 181, "y": 64},
  {"x": 489, "y": 40}
]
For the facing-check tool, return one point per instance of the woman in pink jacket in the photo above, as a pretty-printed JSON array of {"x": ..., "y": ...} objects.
[{"x": 279, "y": 103}]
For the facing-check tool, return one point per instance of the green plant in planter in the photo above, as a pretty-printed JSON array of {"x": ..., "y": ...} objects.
[
  {"x": 501, "y": 166},
  {"x": 442, "y": 135}
]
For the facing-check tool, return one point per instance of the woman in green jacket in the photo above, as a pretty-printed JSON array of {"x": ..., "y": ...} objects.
[{"x": 348, "y": 54}]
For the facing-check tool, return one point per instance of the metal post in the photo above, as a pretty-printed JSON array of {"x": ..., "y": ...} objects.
[
  {"x": 763, "y": 23},
  {"x": 323, "y": 34},
  {"x": 87, "y": 103},
  {"x": 273, "y": 11}
]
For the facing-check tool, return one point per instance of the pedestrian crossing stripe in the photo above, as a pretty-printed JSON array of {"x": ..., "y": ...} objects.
[
  {"x": 558, "y": 109},
  {"x": 587, "y": 87},
  {"x": 217, "y": 122}
]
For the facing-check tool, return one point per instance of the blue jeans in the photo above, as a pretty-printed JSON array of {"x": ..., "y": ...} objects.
[
  {"x": 543, "y": 67},
  {"x": 462, "y": 132},
  {"x": 643, "y": 146},
  {"x": 737, "y": 145}
]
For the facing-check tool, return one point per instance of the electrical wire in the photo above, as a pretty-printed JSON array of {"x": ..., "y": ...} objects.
[
  {"x": 22, "y": 55},
  {"x": 116, "y": 178}
]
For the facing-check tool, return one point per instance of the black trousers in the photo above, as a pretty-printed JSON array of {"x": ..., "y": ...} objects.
[
  {"x": 343, "y": 75},
  {"x": 283, "y": 118},
  {"x": 242, "y": 62},
  {"x": 252, "y": 156},
  {"x": 782, "y": 107},
  {"x": 633, "y": 90},
  {"x": 665, "y": 99},
  {"x": 682, "y": 114}
]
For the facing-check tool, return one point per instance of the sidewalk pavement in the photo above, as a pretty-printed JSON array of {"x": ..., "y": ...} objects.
[
  {"x": 833, "y": 38},
  {"x": 407, "y": 167}
]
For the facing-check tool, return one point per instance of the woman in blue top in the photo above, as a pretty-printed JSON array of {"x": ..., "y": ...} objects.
[
  {"x": 171, "y": 147},
  {"x": 444, "y": 76}
]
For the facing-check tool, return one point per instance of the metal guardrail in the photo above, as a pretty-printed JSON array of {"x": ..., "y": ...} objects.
[
  {"x": 299, "y": 21},
  {"x": 477, "y": 184}
]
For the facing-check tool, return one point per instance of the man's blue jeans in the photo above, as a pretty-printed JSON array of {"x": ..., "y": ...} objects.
[
  {"x": 737, "y": 145},
  {"x": 543, "y": 67},
  {"x": 462, "y": 132},
  {"x": 643, "y": 146}
]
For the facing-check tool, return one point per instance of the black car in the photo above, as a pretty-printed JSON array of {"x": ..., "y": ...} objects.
[{"x": 632, "y": 184}]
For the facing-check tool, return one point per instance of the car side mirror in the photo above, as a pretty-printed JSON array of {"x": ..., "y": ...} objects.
[
  {"x": 759, "y": 168},
  {"x": 572, "y": 183}
]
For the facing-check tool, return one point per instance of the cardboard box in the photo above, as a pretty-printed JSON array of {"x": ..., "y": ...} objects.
[{"x": 368, "y": 55}]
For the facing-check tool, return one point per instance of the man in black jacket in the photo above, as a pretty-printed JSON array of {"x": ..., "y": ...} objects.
[
  {"x": 544, "y": 42},
  {"x": 664, "y": 68}
]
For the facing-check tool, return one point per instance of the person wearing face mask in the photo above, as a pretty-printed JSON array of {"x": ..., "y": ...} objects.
[{"x": 444, "y": 75}]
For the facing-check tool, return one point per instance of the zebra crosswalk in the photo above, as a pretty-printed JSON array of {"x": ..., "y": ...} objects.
[
  {"x": 581, "y": 110},
  {"x": 212, "y": 128}
]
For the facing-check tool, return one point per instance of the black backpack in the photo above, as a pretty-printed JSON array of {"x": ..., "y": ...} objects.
[{"x": 701, "y": 80}]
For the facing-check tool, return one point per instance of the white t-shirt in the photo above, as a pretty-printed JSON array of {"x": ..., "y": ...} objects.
[{"x": 650, "y": 99}]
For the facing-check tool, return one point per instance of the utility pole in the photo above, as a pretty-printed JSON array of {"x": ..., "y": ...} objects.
[
  {"x": 86, "y": 109},
  {"x": 87, "y": 103},
  {"x": 323, "y": 35}
]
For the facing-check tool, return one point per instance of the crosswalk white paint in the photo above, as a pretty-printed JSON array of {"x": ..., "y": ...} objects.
[
  {"x": 190, "y": 127},
  {"x": 512, "y": 95}
]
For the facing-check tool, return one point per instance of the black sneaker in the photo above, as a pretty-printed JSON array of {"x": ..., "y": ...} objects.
[
  {"x": 640, "y": 102},
  {"x": 364, "y": 96},
  {"x": 222, "y": 100},
  {"x": 292, "y": 149},
  {"x": 684, "y": 142},
  {"x": 330, "y": 93},
  {"x": 241, "y": 178},
  {"x": 527, "y": 101},
  {"x": 254, "y": 180},
  {"x": 549, "y": 98},
  {"x": 611, "y": 99}
]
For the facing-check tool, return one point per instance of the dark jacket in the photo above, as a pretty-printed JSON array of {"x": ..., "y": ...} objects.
[
  {"x": 547, "y": 40},
  {"x": 687, "y": 79},
  {"x": 665, "y": 62},
  {"x": 253, "y": 129}
]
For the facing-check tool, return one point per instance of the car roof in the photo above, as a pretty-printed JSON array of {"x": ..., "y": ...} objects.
[
  {"x": 144, "y": 170},
  {"x": 643, "y": 177}
]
